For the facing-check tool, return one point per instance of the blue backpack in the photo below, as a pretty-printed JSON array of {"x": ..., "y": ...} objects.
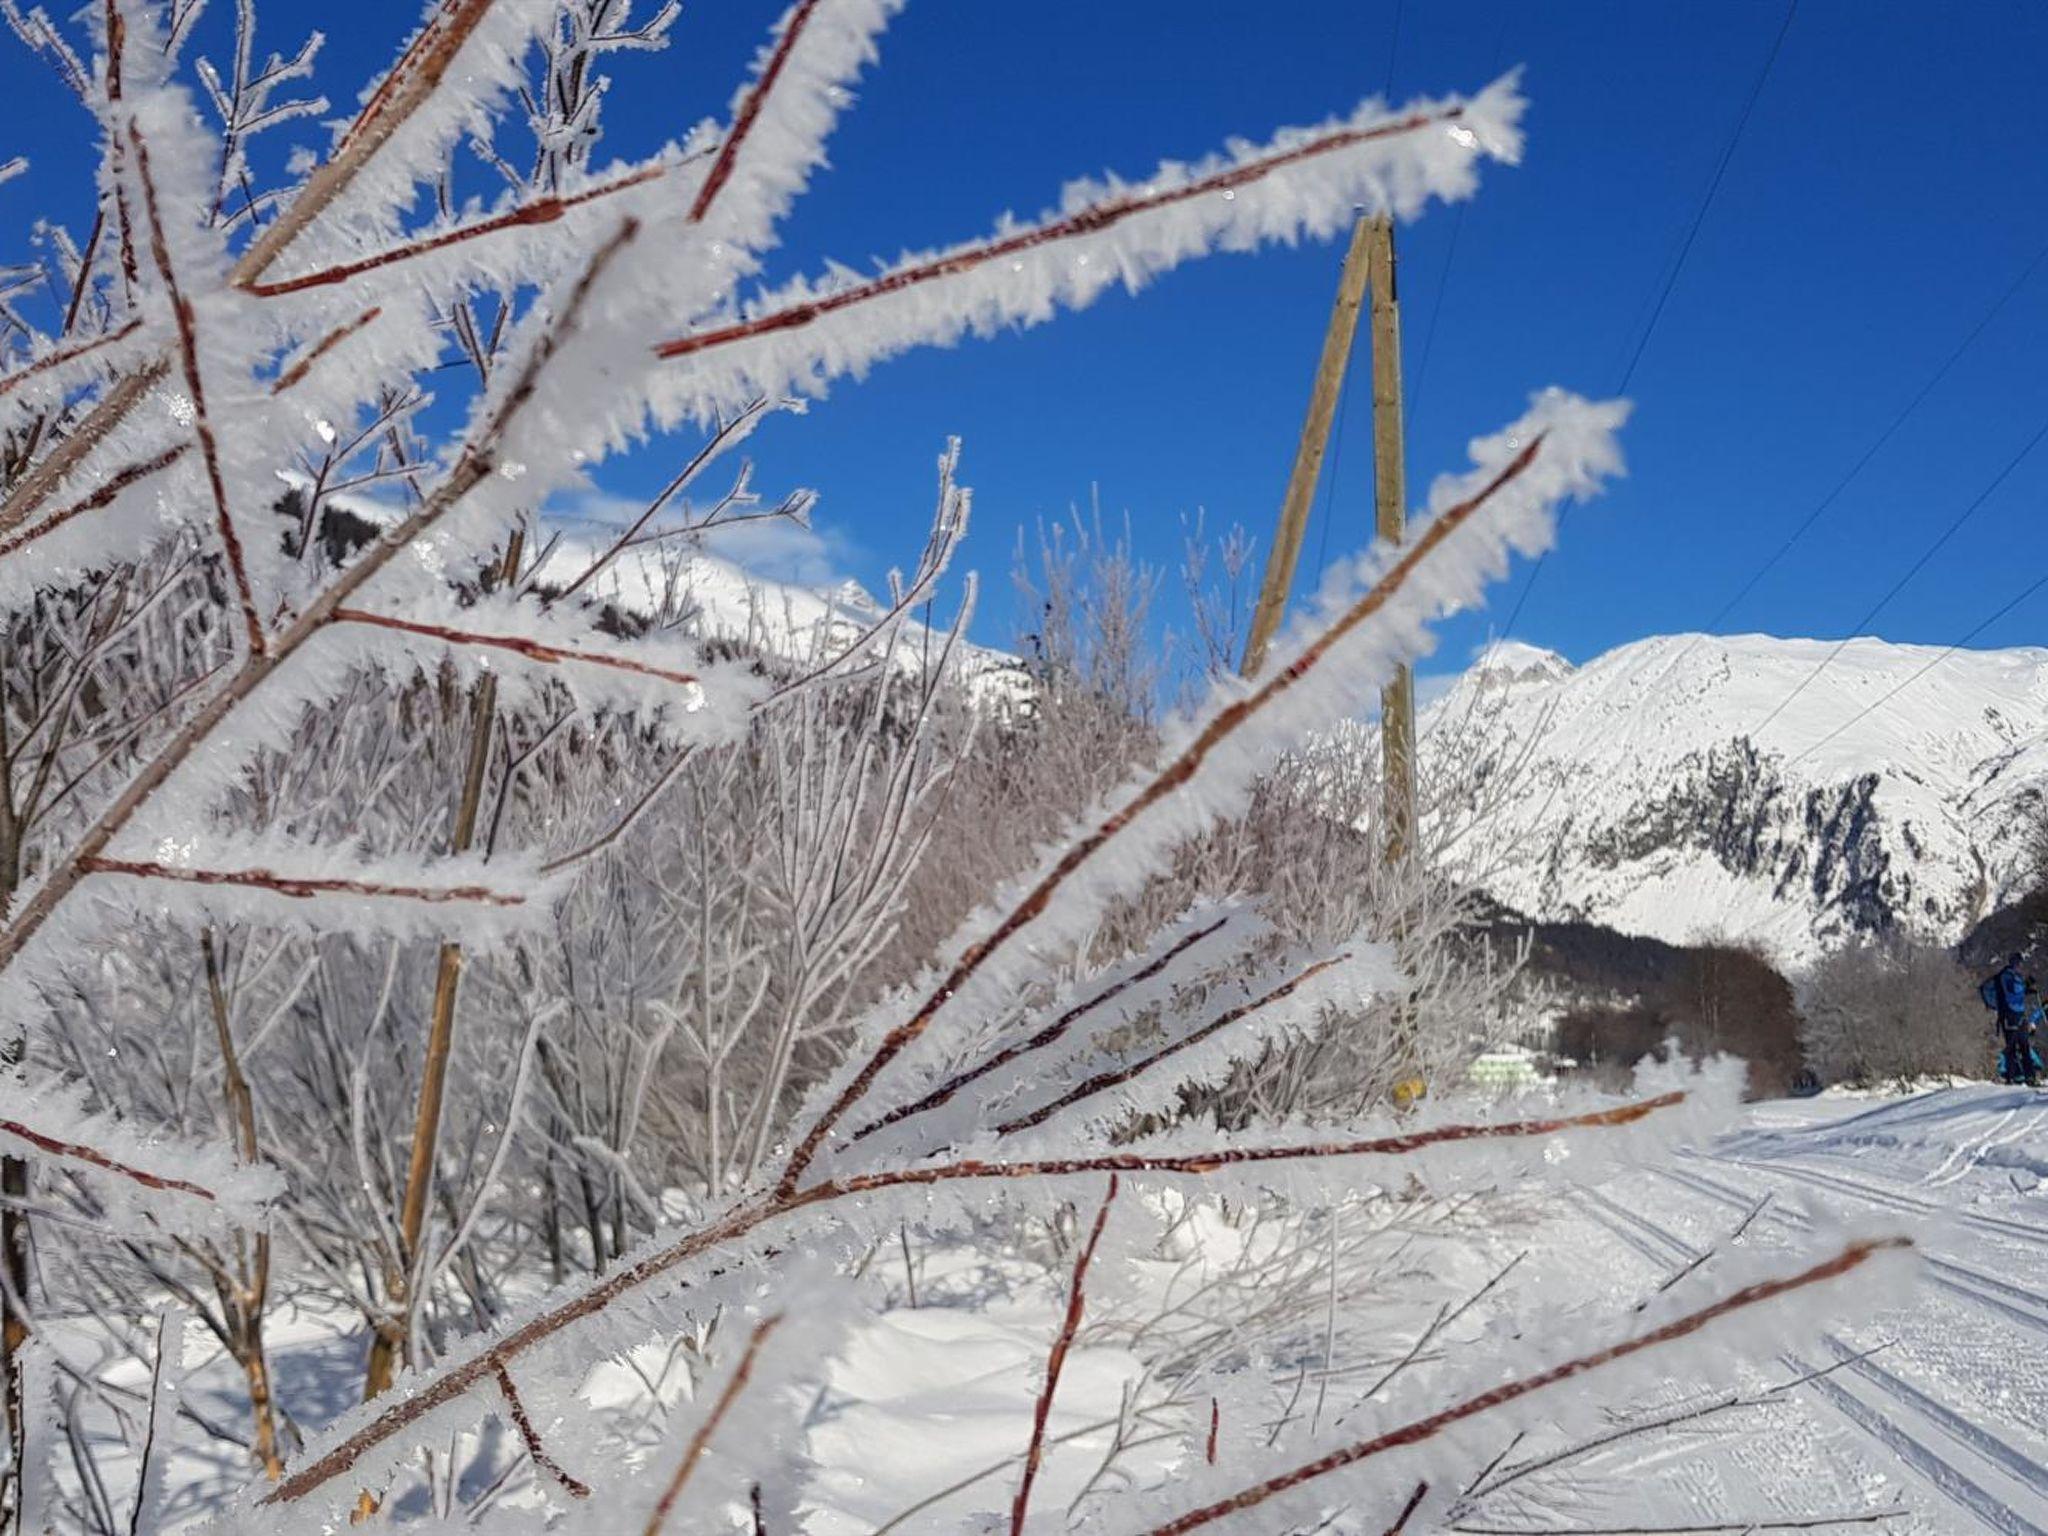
[{"x": 1989, "y": 992}]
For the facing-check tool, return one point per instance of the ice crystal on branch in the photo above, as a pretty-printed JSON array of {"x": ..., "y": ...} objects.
[{"x": 376, "y": 886}]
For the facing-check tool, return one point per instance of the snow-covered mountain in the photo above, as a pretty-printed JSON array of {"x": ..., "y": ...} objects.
[
  {"x": 1666, "y": 792},
  {"x": 716, "y": 598},
  {"x": 719, "y": 599}
]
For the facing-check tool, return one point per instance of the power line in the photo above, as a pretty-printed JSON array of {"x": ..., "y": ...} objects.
[
  {"x": 1713, "y": 186},
  {"x": 1902, "y": 686},
  {"x": 1896, "y": 689},
  {"x": 1877, "y": 444},
  {"x": 1443, "y": 277},
  {"x": 1393, "y": 47},
  {"x": 1436, "y": 306},
  {"x": 1699, "y": 219},
  {"x": 1954, "y": 527},
  {"x": 1882, "y": 438}
]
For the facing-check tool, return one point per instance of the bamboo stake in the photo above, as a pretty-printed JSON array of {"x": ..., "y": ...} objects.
[{"x": 388, "y": 1346}]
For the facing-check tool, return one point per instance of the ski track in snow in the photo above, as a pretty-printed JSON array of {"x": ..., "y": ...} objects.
[
  {"x": 1898, "y": 1424},
  {"x": 1951, "y": 1391},
  {"x": 1936, "y": 1405}
]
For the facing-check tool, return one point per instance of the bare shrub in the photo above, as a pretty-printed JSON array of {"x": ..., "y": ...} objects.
[{"x": 1892, "y": 1013}]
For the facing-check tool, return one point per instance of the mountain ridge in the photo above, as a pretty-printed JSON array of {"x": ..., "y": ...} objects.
[{"x": 1795, "y": 794}]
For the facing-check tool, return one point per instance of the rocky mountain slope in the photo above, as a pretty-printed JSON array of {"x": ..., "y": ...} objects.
[{"x": 1659, "y": 789}]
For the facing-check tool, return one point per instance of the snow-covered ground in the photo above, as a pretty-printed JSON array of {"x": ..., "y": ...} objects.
[
  {"x": 1932, "y": 1413},
  {"x": 1939, "y": 1406}
]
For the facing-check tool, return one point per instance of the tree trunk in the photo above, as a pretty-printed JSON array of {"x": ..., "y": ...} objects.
[
  {"x": 13, "y": 1327},
  {"x": 244, "y": 1303}
]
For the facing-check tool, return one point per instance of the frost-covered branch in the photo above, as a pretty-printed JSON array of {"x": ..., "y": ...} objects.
[
  {"x": 1056, "y": 1359},
  {"x": 1847, "y": 1260},
  {"x": 1214, "y": 734}
]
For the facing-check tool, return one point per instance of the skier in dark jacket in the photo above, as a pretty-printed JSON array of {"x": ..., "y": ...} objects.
[{"x": 2007, "y": 993}]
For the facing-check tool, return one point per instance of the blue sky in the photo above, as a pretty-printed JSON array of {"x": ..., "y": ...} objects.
[{"x": 1888, "y": 189}]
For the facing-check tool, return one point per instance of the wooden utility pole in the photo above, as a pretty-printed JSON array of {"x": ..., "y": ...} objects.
[
  {"x": 1390, "y": 519},
  {"x": 1308, "y": 456},
  {"x": 1368, "y": 264}
]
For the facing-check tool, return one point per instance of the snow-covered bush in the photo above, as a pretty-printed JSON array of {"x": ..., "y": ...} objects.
[{"x": 322, "y": 806}]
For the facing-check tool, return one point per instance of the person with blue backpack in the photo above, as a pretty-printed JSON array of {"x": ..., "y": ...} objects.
[{"x": 2006, "y": 993}]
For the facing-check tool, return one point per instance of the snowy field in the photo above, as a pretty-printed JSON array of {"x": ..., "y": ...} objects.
[
  {"x": 1924, "y": 1417},
  {"x": 1939, "y": 1406}
]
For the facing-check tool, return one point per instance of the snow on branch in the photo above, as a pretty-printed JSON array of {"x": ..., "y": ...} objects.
[
  {"x": 108, "y": 492},
  {"x": 1304, "y": 183},
  {"x": 518, "y": 645},
  {"x": 406, "y": 885},
  {"x": 1291, "y": 1001},
  {"x": 534, "y": 213},
  {"x": 1185, "y": 944},
  {"x": 1851, "y": 1257},
  {"x": 202, "y": 425},
  {"x": 145, "y": 1181},
  {"x": 782, "y": 116},
  {"x": 468, "y": 52},
  {"x": 58, "y": 359},
  {"x": 1564, "y": 447}
]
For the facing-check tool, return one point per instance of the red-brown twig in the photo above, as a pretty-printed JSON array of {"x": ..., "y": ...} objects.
[
  {"x": 1087, "y": 221},
  {"x": 454, "y": 1380},
  {"x": 43, "y": 477},
  {"x": 522, "y": 1422},
  {"x": 63, "y": 355},
  {"x": 1408, "y": 1510},
  {"x": 1241, "y": 1157},
  {"x": 1046, "y": 1036},
  {"x": 104, "y": 496},
  {"x": 750, "y": 112},
  {"x": 1055, "y": 1362},
  {"x": 694, "y": 1451},
  {"x": 529, "y": 215},
  {"x": 1167, "y": 781},
  {"x": 1850, "y": 1258},
  {"x": 1102, "y": 1082},
  {"x": 475, "y": 464},
  {"x": 412, "y": 80},
  {"x": 334, "y": 338},
  {"x": 303, "y": 886},
  {"x": 202, "y": 426},
  {"x": 532, "y": 650},
  {"x": 92, "y": 1157},
  {"x": 1215, "y": 1430},
  {"x": 402, "y": 92}
]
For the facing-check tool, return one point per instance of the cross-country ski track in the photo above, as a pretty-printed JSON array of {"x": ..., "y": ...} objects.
[{"x": 1936, "y": 1409}]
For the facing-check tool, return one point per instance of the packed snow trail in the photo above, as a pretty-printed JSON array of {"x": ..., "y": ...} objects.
[
  {"x": 1952, "y": 1390},
  {"x": 1943, "y": 1446}
]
